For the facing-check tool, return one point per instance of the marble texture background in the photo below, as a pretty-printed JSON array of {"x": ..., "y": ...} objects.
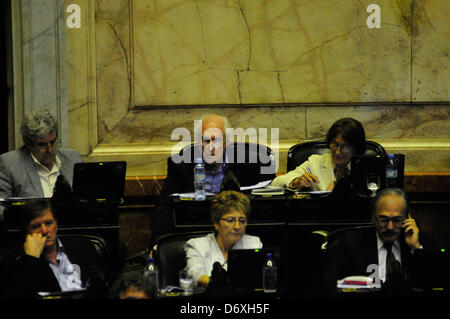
[
  {"x": 153, "y": 66},
  {"x": 258, "y": 52}
]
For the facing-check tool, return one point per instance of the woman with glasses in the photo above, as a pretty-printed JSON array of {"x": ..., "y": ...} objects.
[
  {"x": 229, "y": 214},
  {"x": 345, "y": 138}
]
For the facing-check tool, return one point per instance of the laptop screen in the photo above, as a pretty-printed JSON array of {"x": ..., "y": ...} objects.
[
  {"x": 245, "y": 267},
  {"x": 99, "y": 180},
  {"x": 429, "y": 269}
]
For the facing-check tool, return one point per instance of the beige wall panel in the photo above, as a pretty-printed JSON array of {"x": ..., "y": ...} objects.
[{"x": 431, "y": 48}]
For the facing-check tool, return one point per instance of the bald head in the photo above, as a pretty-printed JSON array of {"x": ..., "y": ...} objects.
[{"x": 213, "y": 138}]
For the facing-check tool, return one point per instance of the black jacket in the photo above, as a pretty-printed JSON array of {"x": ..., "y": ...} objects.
[
  {"x": 25, "y": 275},
  {"x": 352, "y": 251}
]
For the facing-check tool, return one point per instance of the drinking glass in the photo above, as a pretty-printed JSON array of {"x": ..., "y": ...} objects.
[
  {"x": 186, "y": 282},
  {"x": 373, "y": 184}
]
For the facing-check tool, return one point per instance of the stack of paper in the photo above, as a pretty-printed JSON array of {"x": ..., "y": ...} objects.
[
  {"x": 268, "y": 191},
  {"x": 356, "y": 282}
]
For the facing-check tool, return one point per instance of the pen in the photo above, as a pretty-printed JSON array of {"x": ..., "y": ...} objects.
[
  {"x": 309, "y": 171},
  {"x": 307, "y": 168}
]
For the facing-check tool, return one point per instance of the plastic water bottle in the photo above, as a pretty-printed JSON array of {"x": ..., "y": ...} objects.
[
  {"x": 391, "y": 171},
  {"x": 151, "y": 272},
  {"x": 270, "y": 278},
  {"x": 199, "y": 180}
]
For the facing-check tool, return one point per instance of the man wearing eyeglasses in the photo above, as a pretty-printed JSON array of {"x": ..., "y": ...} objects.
[
  {"x": 222, "y": 173},
  {"x": 389, "y": 247},
  {"x": 32, "y": 170}
]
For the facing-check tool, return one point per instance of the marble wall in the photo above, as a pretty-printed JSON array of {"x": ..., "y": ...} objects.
[{"x": 137, "y": 69}]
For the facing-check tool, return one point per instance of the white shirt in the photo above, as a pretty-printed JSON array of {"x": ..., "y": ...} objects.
[
  {"x": 47, "y": 177},
  {"x": 320, "y": 166},
  {"x": 382, "y": 254},
  {"x": 203, "y": 252},
  {"x": 67, "y": 274}
]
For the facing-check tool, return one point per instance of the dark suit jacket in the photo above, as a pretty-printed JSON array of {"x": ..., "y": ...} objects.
[
  {"x": 352, "y": 251},
  {"x": 25, "y": 276},
  {"x": 180, "y": 179}
]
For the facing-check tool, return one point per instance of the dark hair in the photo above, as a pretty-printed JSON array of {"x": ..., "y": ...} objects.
[
  {"x": 135, "y": 280},
  {"x": 225, "y": 201},
  {"x": 33, "y": 209},
  {"x": 351, "y": 131},
  {"x": 388, "y": 192}
]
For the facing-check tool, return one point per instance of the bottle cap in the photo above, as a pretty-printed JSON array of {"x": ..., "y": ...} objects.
[
  {"x": 391, "y": 156},
  {"x": 198, "y": 160}
]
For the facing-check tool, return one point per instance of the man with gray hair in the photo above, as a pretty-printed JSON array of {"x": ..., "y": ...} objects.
[
  {"x": 224, "y": 170},
  {"x": 387, "y": 249},
  {"x": 32, "y": 170}
]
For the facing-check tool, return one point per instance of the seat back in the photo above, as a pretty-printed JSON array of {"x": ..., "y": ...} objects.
[
  {"x": 299, "y": 153},
  {"x": 244, "y": 152},
  {"x": 170, "y": 256},
  {"x": 237, "y": 152},
  {"x": 103, "y": 251},
  {"x": 334, "y": 236}
]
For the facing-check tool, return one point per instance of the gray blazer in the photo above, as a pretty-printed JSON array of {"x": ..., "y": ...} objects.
[{"x": 19, "y": 175}]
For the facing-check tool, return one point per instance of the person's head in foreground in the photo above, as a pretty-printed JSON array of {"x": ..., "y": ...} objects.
[{"x": 133, "y": 285}]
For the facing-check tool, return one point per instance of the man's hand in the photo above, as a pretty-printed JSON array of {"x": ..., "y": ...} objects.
[
  {"x": 411, "y": 233},
  {"x": 307, "y": 180},
  {"x": 34, "y": 245}
]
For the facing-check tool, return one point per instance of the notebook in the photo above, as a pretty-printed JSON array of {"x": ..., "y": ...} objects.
[
  {"x": 99, "y": 180},
  {"x": 245, "y": 267},
  {"x": 71, "y": 294}
]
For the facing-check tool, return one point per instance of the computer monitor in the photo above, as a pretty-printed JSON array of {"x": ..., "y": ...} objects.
[
  {"x": 429, "y": 269},
  {"x": 99, "y": 180},
  {"x": 245, "y": 267},
  {"x": 368, "y": 171}
]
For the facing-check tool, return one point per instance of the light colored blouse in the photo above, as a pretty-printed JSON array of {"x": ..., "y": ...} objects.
[
  {"x": 320, "y": 166},
  {"x": 203, "y": 252}
]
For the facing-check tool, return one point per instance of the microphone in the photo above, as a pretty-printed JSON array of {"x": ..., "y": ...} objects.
[
  {"x": 220, "y": 281},
  {"x": 62, "y": 192},
  {"x": 230, "y": 182}
]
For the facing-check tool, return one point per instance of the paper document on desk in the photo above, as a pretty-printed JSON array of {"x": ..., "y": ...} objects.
[
  {"x": 268, "y": 190},
  {"x": 356, "y": 282},
  {"x": 189, "y": 195},
  {"x": 313, "y": 192},
  {"x": 259, "y": 185}
]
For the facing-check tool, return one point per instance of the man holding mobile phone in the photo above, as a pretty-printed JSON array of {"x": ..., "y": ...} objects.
[
  {"x": 397, "y": 232},
  {"x": 389, "y": 247}
]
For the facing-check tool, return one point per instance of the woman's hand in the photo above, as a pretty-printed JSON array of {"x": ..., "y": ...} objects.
[{"x": 307, "y": 180}]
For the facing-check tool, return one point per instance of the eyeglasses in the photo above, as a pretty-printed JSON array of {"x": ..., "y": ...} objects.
[
  {"x": 51, "y": 144},
  {"x": 233, "y": 220},
  {"x": 344, "y": 147},
  {"x": 395, "y": 220}
]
